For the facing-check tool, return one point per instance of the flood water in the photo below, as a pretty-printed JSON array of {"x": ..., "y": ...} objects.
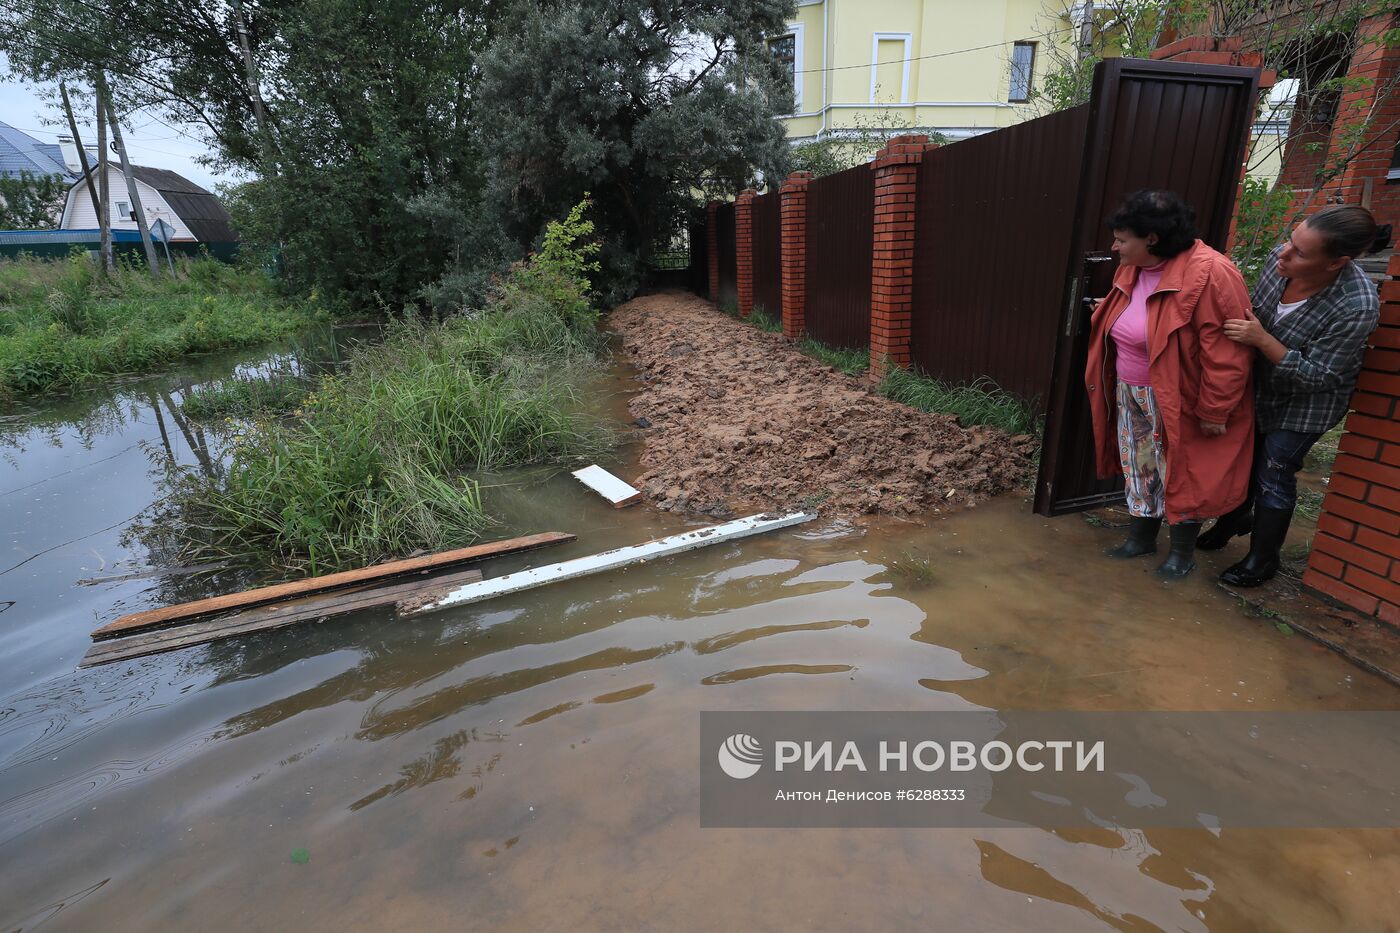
[{"x": 530, "y": 762}]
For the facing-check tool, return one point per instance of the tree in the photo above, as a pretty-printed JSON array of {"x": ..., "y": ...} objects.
[
  {"x": 649, "y": 106},
  {"x": 1129, "y": 28},
  {"x": 31, "y": 201}
]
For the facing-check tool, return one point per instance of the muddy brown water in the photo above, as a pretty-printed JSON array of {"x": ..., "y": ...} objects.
[{"x": 530, "y": 763}]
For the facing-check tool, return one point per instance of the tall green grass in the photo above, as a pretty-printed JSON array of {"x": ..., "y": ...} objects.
[
  {"x": 374, "y": 465},
  {"x": 981, "y": 402},
  {"x": 63, "y": 326}
]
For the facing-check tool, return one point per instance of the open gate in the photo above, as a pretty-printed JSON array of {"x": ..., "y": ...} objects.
[{"x": 1151, "y": 124}]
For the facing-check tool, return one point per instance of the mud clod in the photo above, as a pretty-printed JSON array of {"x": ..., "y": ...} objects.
[{"x": 743, "y": 420}]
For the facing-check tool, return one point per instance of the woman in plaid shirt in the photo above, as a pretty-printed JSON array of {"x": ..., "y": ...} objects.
[{"x": 1313, "y": 311}]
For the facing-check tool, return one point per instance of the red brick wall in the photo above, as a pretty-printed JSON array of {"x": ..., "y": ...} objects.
[
  {"x": 743, "y": 249},
  {"x": 793, "y": 222},
  {"x": 896, "y": 170},
  {"x": 1356, "y": 552}
]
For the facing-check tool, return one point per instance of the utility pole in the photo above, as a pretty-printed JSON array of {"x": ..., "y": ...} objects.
[
  {"x": 104, "y": 219},
  {"x": 1086, "y": 29},
  {"x": 151, "y": 258},
  {"x": 254, "y": 89},
  {"x": 82, "y": 153}
]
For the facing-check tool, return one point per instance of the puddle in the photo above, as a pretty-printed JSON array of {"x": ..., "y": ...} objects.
[{"x": 530, "y": 762}]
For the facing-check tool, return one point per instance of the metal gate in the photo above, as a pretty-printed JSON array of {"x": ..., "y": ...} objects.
[
  {"x": 728, "y": 261},
  {"x": 1151, "y": 124},
  {"x": 767, "y": 255}
]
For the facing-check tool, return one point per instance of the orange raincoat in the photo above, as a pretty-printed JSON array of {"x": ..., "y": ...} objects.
[{"x": 1198, "y": 374}]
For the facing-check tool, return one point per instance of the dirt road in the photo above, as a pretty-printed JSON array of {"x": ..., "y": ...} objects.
[{"x": 736, "y": 418}]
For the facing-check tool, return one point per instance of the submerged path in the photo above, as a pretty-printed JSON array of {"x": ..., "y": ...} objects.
[{"x": 739, "y": 418}]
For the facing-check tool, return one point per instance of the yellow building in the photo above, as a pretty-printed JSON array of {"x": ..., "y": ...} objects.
[{"x": 956, "y": 67}]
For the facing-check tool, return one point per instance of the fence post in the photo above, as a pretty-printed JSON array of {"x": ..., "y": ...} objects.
[
  {"x": 1356, "y": 552},
  {"x": 743, "y": 249},
  {"x": 712, "y": 246},
  {"x": 892, "y": 262},
  {"x": 792, "y": 220}
]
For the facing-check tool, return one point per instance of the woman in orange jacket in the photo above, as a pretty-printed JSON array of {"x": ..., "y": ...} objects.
[{"x": 1169, "y": 392}]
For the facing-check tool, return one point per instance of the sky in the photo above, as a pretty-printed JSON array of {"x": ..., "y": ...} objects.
[{"x": 148, "y": 141}]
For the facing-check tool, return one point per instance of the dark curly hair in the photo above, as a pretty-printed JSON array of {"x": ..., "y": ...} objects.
[{"x": 1161, "y": 212}]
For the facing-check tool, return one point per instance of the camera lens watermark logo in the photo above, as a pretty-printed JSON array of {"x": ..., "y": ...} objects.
[{"x": 741, "y": 756}]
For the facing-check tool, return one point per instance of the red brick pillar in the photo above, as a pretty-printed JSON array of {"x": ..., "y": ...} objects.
[
  {"x": 1356, "y": 552},
  {"x": 792, "y": 206},
  {"x": 896, "y": 170},
  {"x": 743, "y": 249},
  {"x": 1371, "y": 99},
  {"x": 712, "y": 246}
]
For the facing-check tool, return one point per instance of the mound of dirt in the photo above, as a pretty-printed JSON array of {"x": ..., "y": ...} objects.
[{"x": 737, "y": 419}]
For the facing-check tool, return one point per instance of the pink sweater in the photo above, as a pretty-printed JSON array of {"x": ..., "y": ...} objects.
[{"x": 1130, "y": 330}]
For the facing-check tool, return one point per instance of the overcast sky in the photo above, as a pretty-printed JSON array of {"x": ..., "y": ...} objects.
[{"x": 148, "y": 141}]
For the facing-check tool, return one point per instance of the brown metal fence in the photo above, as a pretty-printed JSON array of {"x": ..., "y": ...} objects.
[
  {"x": 767, "y": 255},
  {"x": 728, "y": 265},
  {"x": 840, "y": 233},
  {"x": 993, "y": 223},
  {"x": 698, "y": 279}
]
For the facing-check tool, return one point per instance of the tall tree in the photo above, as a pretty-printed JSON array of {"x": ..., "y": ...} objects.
[{"x": 642, "y": 104}]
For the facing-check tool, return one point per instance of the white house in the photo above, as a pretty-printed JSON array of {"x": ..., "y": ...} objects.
[{"x": 194, "y": 213}]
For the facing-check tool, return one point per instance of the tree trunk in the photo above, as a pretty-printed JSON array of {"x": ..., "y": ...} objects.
[
  {"x": 82, "y": 153},
  {"x": 104, "y": 218},
  {"x": 151, "y": 258}
]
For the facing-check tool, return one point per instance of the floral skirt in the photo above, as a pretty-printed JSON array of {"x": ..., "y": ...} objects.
[{"x": 1140, "y": 451}]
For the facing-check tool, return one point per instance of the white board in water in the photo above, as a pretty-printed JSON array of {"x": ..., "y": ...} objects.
[{"x": 608, "y": 486}]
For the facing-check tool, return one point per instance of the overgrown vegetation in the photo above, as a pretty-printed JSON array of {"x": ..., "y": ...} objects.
[
  {"x": 374, "y": 465},
  {"x": 62, "y": 326},
  {"x": 1261, "y": 218},
  {"x": 854, "y": 145},
  {"x": 29, "y": 201},
  {"x": 764, "y": 320},
  {"x": 913, "y": 567},
  {"x": 981, "y": 402}
]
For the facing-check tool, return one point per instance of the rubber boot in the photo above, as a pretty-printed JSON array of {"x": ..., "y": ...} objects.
[
  {"x": 1179, "y": 560},
  {"x": 1231, "y": 525},
  {"x": 1260, "y": 565},
  {"x": 1142, "y": 539}
]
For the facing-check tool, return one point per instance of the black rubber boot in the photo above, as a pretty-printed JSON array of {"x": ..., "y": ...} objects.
[
  {"x": 1260, "y": 565},
  {"x": 1179, "y": 560},
  {"x": 1142, "y": 539},
  {"x": 1231, "y": 525}
]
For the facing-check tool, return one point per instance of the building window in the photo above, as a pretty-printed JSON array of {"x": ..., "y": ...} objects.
[
  {"x": 889, "y": 67},
  {"x": 1022, "y": 70},
  {"x": 1394, "y": 173},
  {"x": 784, "y": 49},
  {"x": 123, "y": 210}
]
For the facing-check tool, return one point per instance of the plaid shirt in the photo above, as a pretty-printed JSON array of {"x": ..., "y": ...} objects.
[{"x": 1310, "y": 388}]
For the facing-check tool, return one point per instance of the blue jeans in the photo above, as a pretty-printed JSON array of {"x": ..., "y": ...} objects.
[{"x": 1278, "y": 455}]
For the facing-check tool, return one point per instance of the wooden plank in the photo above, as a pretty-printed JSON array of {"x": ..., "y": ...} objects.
[
  {"x": 610, "y": 560},
  {"x": 619, "y": 493},
  {"x": 277, "y": 615},
  {"x": 217, "y": 604}
]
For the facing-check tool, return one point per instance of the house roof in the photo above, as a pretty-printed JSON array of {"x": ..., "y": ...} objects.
[
  {"x": 198, "y": 208},
  {"x": 20, "y": 152}
]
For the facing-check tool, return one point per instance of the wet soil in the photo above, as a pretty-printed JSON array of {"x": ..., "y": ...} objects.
[{"x": 737, "y": 418}]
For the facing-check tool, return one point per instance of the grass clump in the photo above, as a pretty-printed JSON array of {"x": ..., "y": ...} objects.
[
  {"x": 62, "y": 325},
  {"x": 852, "y": 362},
  {"x": 981, "y": 402},
  {"x": 912, "y": 566},
  {"x": 761, "y": 318},
  {"x": 244, "y": 396},
  {"x": 374, "y": 466}
]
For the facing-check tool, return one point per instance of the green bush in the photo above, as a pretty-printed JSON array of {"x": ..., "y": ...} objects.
[{"x": 981, "y": 402}]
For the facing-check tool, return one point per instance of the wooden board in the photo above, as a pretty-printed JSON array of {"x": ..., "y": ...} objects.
[
  {"x": 313, "y": 608},
  {"x": 619, "y": 493},
  {"x": 610, "y": 560},
  {"x": 151, "y": 618}
]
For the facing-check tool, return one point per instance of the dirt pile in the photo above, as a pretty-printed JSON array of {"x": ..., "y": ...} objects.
[{"x": 736, "y": 418}]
